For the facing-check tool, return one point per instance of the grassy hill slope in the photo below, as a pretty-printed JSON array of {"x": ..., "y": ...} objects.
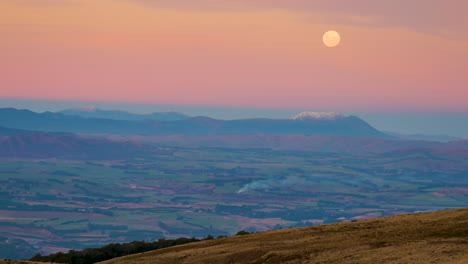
[{"x": 434, "y": 237}]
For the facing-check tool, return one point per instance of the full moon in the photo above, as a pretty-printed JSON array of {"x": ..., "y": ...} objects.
[{"x": 331, "y": 38}]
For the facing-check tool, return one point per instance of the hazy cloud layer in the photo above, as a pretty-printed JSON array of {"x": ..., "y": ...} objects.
[
  {"x": 441, "y": 17},
  {"x": 446, "y": 17},
  {"x": 46, "y": 2},
  {"x": 238, "y": 53}
]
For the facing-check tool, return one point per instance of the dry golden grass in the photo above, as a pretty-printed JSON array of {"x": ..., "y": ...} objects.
[{"x": 435, "y": 237}]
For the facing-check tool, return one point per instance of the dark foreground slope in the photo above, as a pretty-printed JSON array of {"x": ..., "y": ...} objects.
[{"x": 435, "y": 237}]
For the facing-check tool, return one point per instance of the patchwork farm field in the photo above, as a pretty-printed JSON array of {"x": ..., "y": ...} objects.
[{"x": 51, "y": 205}]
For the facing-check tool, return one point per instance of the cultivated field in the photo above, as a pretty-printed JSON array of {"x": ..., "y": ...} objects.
[{"x": 51, "y": 205}]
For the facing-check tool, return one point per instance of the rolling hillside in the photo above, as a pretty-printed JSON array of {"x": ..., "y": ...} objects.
[
  {"x": 65, "y": 146},
  {"x": 322, "y": 143},
  {"x": 5, "y": 131},
  {"x": 435, "y": 237}
]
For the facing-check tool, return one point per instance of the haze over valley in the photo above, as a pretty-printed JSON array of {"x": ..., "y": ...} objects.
[{"x": 86, "y": 177}]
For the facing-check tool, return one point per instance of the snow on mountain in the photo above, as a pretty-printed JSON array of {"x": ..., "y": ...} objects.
[
  {"x": 94, "y": 112},
  {"x": 317, "y": 115}
]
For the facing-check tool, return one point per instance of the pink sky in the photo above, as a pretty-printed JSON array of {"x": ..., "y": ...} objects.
[{"x": 394, "y": 55}]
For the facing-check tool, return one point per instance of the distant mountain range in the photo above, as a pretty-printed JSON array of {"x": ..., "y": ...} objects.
[
  {"x": 27, "y": 134},
  {"x": 94, "y": 112},
  {"x": 307, "y": 124}
]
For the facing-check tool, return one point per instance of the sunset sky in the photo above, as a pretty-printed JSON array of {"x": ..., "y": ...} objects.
[{"x": 394, "y": 55}]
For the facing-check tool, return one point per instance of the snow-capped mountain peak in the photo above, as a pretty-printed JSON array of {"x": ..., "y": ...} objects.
[{"x": 317, "y": 115}]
